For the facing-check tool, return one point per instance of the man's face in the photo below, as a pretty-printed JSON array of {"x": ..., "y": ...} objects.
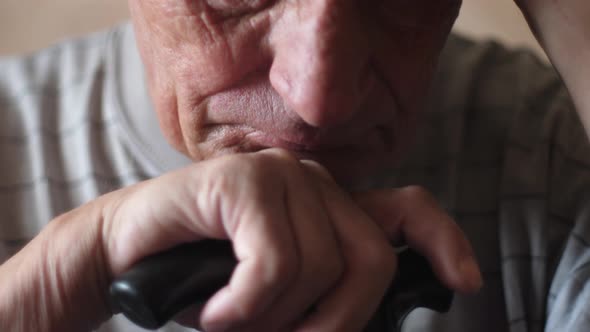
[{"x": 337, "y": 81}]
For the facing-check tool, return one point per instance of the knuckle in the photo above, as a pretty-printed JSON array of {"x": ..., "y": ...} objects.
[
  {"x": 252, "y": 170},
  {"x": 274, "y": 161},
  {"x": 416, "y": 194},
  {"x": 273, "y": 273},
  {"x": 278, "y": 269},
  {"x": 317, "y": 170},
  {"x": 254, "y": 165},
  {"x": 282, "y": 153},
  {"x": 279, "y": 155},
  {"x": 378, "y": 257},
  {"x": 230, "y": 166},
  {"x": 328, "y": 269},
  {"x": 247, "y": 311}
]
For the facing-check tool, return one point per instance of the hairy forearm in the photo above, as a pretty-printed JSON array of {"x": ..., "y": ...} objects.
[
  {"x": 563, "y": 29},
  {"x": 57, "y": 282}
]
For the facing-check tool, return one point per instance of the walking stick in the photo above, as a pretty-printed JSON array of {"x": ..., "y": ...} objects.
[{"x": 156, "y": 289}]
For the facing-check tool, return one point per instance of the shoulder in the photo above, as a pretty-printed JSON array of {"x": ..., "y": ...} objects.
[
  {"x": 53, "y": 83},
  {"x": 507, "y": 108},
  {"x": 512, "y": 107},
  {"x": 56, "y": 126},
  {"x": 489, "y": 75},
  {"x": 41, "y": 78},
  {"x": 496, "y": 99}
]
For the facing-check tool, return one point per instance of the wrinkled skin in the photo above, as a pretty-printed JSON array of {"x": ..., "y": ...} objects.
[
  {"x": 337, "y": 81},
  {"x": 340, "y": 82}
]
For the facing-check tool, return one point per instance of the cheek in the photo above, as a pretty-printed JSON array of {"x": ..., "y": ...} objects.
[
  {"x": 170, "y": 125},
  {"x": 188, "y": 57},
  {"x": 179, "y": 40}
]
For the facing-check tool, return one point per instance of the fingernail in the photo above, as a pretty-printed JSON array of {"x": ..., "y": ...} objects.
[{"x": 471, "y": 274}]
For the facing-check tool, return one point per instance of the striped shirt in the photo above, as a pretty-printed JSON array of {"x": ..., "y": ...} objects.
[{"x": 500, "y": 146}]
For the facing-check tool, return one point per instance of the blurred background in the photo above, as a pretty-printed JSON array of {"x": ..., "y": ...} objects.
[{"x": 27, "y": 25}]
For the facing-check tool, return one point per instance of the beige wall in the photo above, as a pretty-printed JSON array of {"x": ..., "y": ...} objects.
[
  {"x": 499, "y": 19},
  {"x": 26, "y": 25}
]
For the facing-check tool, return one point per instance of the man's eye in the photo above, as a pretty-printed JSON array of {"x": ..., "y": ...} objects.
[{"x": 236, "y": 7}]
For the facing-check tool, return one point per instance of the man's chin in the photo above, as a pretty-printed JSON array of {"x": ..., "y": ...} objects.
[{"x": 352, "y": 170}]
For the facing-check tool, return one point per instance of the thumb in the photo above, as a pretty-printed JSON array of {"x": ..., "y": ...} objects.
[{"x": 157, "y": 215}]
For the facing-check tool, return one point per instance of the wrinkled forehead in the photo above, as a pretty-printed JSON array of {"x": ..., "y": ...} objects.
[{"x": 410, "y": 13}]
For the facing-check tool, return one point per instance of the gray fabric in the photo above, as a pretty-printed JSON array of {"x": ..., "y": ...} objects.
[
  {"x": 504, "y": 150},
  {"x": 70, "y": 130},
  {"x": 500, "y": 146}
]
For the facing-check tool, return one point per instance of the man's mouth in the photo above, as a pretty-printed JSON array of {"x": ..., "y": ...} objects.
[{"x": 349, "y": 156}]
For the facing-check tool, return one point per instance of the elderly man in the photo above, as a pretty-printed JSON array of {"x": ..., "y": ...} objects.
[{"x": 289, "y": 120}]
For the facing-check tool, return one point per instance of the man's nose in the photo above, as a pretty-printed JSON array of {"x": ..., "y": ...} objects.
[{"x": 321, "y": 60}]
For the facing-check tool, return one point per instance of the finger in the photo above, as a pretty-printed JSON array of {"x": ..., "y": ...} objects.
[
  {"x": 317, "y": 169},
  {"x": 190, "y": 317},
  {"x": 267, "y": 256},
  {"x": 414, "y": 214},
  {"x": 370, "y": 265},
  {"x": 319, "y": 254}
]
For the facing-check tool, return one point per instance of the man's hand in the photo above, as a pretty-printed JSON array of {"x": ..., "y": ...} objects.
[
  {"x": 300, "y": 240},
  {"x": 310, "y": 256},
  {"x": 563, "y": 29}
]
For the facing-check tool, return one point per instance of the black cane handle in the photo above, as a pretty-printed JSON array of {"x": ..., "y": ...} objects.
[{"x": 157, "y": 288}]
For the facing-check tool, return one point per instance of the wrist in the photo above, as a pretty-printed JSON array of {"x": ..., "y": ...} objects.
[
  {"x": 58, "y": 282},
  {"x": 80, "y": 264}
]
